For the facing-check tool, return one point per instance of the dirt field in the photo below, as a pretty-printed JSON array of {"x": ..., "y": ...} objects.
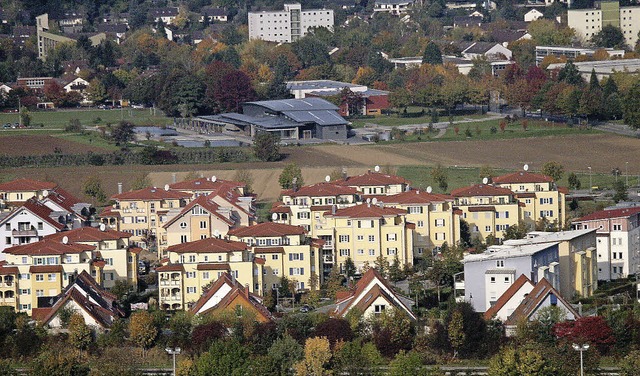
[
  {"x": 42, "y": 144},
  {"x": 602, "y": 151}
]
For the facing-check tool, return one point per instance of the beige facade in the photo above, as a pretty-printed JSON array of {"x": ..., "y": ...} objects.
[{"x": 588, "y": 22}]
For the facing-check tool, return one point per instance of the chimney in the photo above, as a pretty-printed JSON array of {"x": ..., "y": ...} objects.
[
  {"x": 174, "y": 178},
  {"x": 333, "y": 209},
  {"x": 344, "y": 173},
  {"x": 246, "y": 290},
  {"x": 202, "y": 175},
  {"x": 119, "y": 188}
]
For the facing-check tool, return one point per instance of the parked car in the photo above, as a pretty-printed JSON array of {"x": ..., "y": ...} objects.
[{"x": 8, "y": 125}]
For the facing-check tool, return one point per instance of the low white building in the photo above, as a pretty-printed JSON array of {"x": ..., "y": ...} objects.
[
  {"x": 395, "y": 7},
  {"x": 532, "y": 15},
  {"x": 288, "y": 25}
]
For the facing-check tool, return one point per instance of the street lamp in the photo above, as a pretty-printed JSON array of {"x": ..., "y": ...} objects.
[
  {"x": 590, "y": 181},
  {"x": 581, "y": 349},
  {"x": 173, "y": 351}
]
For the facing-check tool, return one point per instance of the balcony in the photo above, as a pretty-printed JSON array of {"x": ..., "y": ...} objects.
[
  {"x": 328, "y": 245},
  {"x": 327, "y": 259},
  {"x": 24, "y": 233}
]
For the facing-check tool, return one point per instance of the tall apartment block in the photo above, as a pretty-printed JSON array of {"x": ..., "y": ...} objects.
[
  {"x": 288, "y": 25},
  {"x": 587, "y": 22}
]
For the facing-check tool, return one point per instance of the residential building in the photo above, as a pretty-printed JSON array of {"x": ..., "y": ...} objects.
[
  {"x": 509, "y": 301},
  {"x": 70, "y": 82},
  {"x": 290, "y": 119},
  {"x": 16, "y": 192},
  {"x": 538, "y": 195},
  {"x": 372, "y": 101},
  {"x": 48, "y": 40},
  {"x": 372, "y": 295},
  {"x": 618, "y": 240},
  {"x": 375, "y": 183},
  {"x": 395, "y": 7},
  {"x": 213, "y": 14},
  {"x": 467, "y": 21},
  {"x": 192, "y": 266},
  {"x": 533, "y": 15},
  {"x": 489, "y": 50},
  {"x": 572, "y": 53},
  {"x": 63, "y": 203},
  {"x": 578, "y": 261},
  {"x": 489, "y": 210},
  {"x": 166, "y": 14},
  {"x": 288, "y": 25},
  {"x": 436, "y": 220},
  {"x": 589, "y": 22},
  {"x": 464, "y": 65},
  {"x": 112, "y": 249},
  {"x": 143, "y": 212},
  {"x": 366, "y": 233},
  {"x": 287, "y": 251},
  {"x": 227, "y": 297},
  {"x": 86, "y": 297},
  {"x": 603, "y": 69},
  {"x": 114, "y": 32},
  {"x": 29, "y": 223},
  {"x": 489, "y": 274}
]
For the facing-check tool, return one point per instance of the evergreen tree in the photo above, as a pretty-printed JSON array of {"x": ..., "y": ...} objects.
[
  {"x": 432, "y": 54},
  {"x": 593, "y": 81}
]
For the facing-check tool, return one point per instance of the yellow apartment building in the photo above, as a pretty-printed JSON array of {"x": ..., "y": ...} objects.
[
  {"x": 539, "y": 196},
  {"x": 435, "y": 219},
  {"x": 366, "y": 232},
  {"x": 375, "y": 183},
  {"x": 194, "y": 265},
  {"x": 200, "y": 219},
  {"x": 143, "y": 212},
  {"x": 16, "y": 192},
  {"x": 488, "y": 209},
  {"x": 286, "y": 251}
]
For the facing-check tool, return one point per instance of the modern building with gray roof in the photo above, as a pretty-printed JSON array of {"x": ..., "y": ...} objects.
[
  {"x": 603, "y": 68},
  {"x": 291, "y": 119}
]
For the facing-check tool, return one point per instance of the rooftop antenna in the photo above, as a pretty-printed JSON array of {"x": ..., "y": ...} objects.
[
  {"x": 526, "y": 167},
  {"x": 65, "y": 240},
  {"x": 429, "y": 189},
  {"x": 103, "y": 227},
  {"x": 374, "y": 201},
  {"x": 376, "y": 169},
  {"x": 166, "y": 187},
  {"x": 327, "y": 178},
  {"x": 214, "y": 178},
  {"x": 274, "y": 216},
  {"x": 45, "y": 193},
  {"x": 485, "y": 180}
]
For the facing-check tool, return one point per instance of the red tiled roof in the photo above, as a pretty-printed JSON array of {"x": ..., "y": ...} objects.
[
  {"x": 89, "y": 234},
  {"x": 563, "y": 190},
  {"x": 317, "y": 242},
  {"x": 222, "y": 280},
  {"x": 371, "y": 179},
  {"x": 522, "y": 177},
  {"x": 259, "y": 260},
  {"x": 608, "y": 214},
  {"x": 219, "y": 266},
  {"x": 526, "y": 194},
  {"x": 171, "y": 268},
  {"x": 481, "y": 190},
  {"x": 204, "y": 203},
  {"x": 204, "y": 184},
  {"x": 208, "y": 245},
  {"x": 135, "y": 250},
  {"x": 151, "y": 193},
  {"x": 48, "y": 247},
  {"x": 108, "y": 212},
  {"x": 279, "y": 207},
  {"x": 457, "y": 211},
  {"x": 268, "y": 250},
  {"x": 506, "y": 296},
  {"x": 367, "y": 211},
  {"x": 39, "y": 209},
  {"x": 321, "y": 190},
  {"x": 39, "y": 314},
  {"x": 267, "y": 229},
  {"x": 46, "y": 269},
  {"x": 63, "y": 198},
  {"x": 481, "y": 208},
  {"x": 410, "y": 225},
  {"x": 4, "y": 270},
  {"x": 414, "y": 197},
  {"x": 323, "y": 208},
  {"x": 22, "y": 185}
]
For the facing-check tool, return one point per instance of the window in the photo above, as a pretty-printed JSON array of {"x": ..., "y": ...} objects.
[
  {"x": 378, "y": 308},
  {"x": 360, "y": 237},
  {"x": 372, "y": 252},
  {"x": 40, "y": 226},
  {"x": 205, "y": 275},
  {"x": 547, "y": 200},
  {"x": 183, "y": 225},
  {"x": 487, "y": 228},
  {"x": 203, "y": 224},
  {"x": 296, "y": 256},
  {"x": 39, "y": 277},
  {"x": 617, "y": 227},
  {"x": 439, "y": 222},
  {"x": 274, "y": 257},
  {"x": 493, "y": 279},
  {"x": 39, "y": 292},
  {"x": 500, "y": 263},
  {"x": 345, "y": 252},
  {"x": 343, "y": 238},
  {"x": 304, "y": 215},
  {"x": 421, "y": 223},
  {"x": 183, "y": 238},
  {"x": 392, "y": 251},
  {"x": 440, "y": 235},
  {"x": 191, "y": 290},
  {"x": 7, "y": 240},
  {"x": 25, "y": 291},
  {"x": 391, "y": 237},
  {"x": 415, "y": 209},
  {"x": 192, "y": 258},
  {"x": 7, "y": 227},
  {"x": 24, "y": 259},
  {"x": 296, "y": 271},
  {"x": 546, "y": 213},
  {"x": 372, "y": 238},
  {"x": 361, "y": 251},
  {"x": 51, "y": 277},
  {"x": 191, "y": 274}
]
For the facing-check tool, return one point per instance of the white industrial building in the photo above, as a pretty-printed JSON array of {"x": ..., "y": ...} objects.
[{"x": 288, "y": 25}]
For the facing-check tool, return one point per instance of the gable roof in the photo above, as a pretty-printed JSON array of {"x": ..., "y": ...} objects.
[
  {"x": 204, "y": 203},
  {"x": 265, "y": 229},
  {"x": 522, "y": 177},
  {"x": 151, "y": 193},
  {"x": 414, "y": 197},
  {"x": 362, "y": 298},
  {"x": 321, "y": 189},
  {"x": 532, "y": 301},
  {"x": 506, "y": 296},
  {"x": 609, "y": 214},
  {"x": 366, "y": 211},
  {"x": 20, "y": 185},
  {"x": 208, "y": 245},
  {"x": 88, "y": 234},
  {"x": 371, "y": 179},
  {"x": 38, "y": 209},
  {"x": 48, "y": 247},
  {"x": 63, "y": 198},
  {"x": 481, "y": 190}
]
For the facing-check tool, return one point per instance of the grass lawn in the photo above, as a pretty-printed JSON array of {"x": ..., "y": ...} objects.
[
  {"x": 88, "y": 138},
  {"x": 394, "y": 120},
  {"x": 88, "y": 117}
]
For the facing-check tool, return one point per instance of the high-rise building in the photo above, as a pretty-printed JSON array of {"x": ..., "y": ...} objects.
[
  {"x": 588, "y": 22},
  {"x": 287, "y": 25}
]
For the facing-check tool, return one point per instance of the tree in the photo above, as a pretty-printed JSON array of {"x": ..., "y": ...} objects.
[
  {"x": 92, "y": 187},
  {"x": 245, "y": 176},
  {"x": 395, "y": 270},
  {"x": 525, "y": 361},
  {"x": 349, "y": 269},
  {"x": 554, "y": 170},
  {"x": 432, "y": 54},
  {"x": 621, "y": 191},
  {"x": 80, "y": 335},
  {"x": 591, "y": 329},
  {"x": 357, "y": 358},
  {"x": 516, "y": 232},
  {"x": 570, "y": 74},
  {"x": 142, "y": 330},
  {"x": 311, "y": 51},
  {"x": 440, "y": 176},
  {"x": 406, "y": 363},
  {"x": 266, "y": 146},
  {"x": 224, "y": 358},
  {"x": 58, "y": 361},
  {"x": 141, "y": 181},
  {"x": 317, "y": 354},
  {"x": 122, "y": 133},
  {"x": 291, "y": 176},
  {"x": 609, "y": 37},
  {"x": 283, "y": 354},
  {"x": 203, "y": 335},
  {"x": 631, "y": 106},
  {"x": 234, "y": 89},
  {"x": 574, "y": 182},
  {"x": 335, "y": 330},
  {"x": 630, "y": 365},
  {"x": 456, "y": 332}
]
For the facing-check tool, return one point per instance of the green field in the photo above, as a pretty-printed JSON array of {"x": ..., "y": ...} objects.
[
  {"x": 90, "y": 117},
  {"x": 394, "y": 120}
]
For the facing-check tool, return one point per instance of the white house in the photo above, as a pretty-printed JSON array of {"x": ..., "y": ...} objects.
[
  {"x": 288, "y": 25},
  {"x": 532, "y": 15}
]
